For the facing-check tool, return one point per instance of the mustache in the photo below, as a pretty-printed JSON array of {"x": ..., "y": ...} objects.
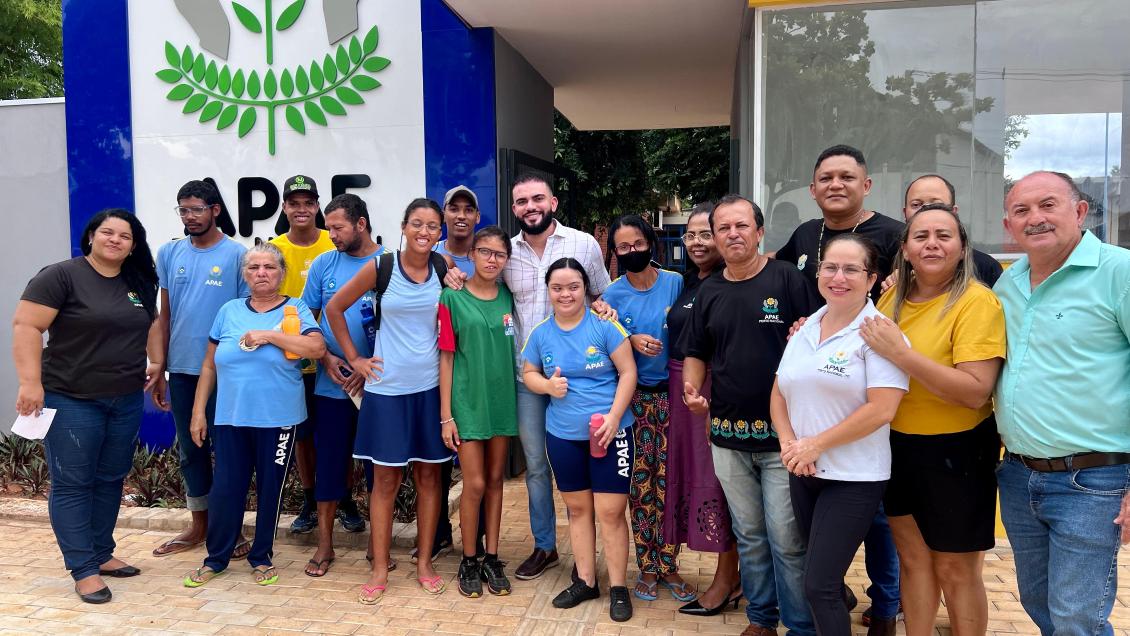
[{"x": 1038, "y": 229}]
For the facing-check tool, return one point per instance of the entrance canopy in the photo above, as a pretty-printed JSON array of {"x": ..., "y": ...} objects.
[{"x": 625, "y": 64}]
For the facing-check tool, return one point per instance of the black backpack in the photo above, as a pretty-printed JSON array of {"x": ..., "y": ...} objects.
[{"x": 385, "y": 263}]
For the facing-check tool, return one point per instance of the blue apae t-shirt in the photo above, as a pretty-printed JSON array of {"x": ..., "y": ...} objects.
[
  {"x": 260, "y": 388},
  {"x": 464, "y": 263},
  {"x": 645, "y": 311},
  {"x": 408, "y": 340},
  {"x": 582, "y": 353},
  {"x": 199, "y": 282},
  {"x": 327, "y": 274}
]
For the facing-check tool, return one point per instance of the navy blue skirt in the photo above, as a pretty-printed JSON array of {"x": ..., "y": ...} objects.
[{"x": 393, "y": 430}]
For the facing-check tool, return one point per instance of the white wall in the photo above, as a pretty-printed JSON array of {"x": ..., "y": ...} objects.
[{"x": 33, "y": 179}]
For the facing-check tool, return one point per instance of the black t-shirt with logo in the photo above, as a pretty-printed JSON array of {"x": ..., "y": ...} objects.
[
  {"x": 802, "y": 251},
  {"x": 740, "y": 329},
  {"x": 681, "y": 312},
  {"x": 96, "y": 344}
]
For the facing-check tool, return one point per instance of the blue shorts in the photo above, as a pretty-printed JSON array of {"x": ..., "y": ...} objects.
[
  {"x": 305, "y": 429},
  {"x": 575, "y": 469},
  {"x": 335, "y": 426}
]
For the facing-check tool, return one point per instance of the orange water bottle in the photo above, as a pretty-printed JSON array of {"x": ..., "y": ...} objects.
[{"x": 292, "y": 326}]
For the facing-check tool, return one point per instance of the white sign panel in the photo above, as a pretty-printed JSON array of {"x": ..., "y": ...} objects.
[{"x": 250, "y": 92}]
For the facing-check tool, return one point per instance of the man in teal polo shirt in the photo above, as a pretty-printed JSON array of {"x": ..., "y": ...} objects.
[{"x": 1063, "y": 407}]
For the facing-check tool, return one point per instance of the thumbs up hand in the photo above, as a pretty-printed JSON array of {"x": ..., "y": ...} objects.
[{"x": 558, "y": 386}]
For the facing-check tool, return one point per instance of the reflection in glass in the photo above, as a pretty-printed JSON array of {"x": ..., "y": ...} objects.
[
  {"x": 872, "y": 78},
  {"x": 1048, "y": 91},
  {"x": 1061, "y": 101}
]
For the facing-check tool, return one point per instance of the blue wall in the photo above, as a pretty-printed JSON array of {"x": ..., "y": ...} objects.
[
  {"x": 99, "y": 129},
  {"x": 459, "y": 109}
]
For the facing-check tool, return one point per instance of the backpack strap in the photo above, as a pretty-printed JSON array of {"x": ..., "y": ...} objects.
[
  {"x": 439, "y": 265},
  {"x": 385, "y": 263}
]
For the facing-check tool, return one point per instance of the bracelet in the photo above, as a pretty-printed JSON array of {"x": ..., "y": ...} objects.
[{"x": 450, "y": 419}]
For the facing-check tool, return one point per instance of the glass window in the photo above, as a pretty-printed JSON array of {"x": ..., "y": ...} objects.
[
  {"x": 894, "y": 80},
  {"x": 1058, "y": 77},
  {"x": 979, "y": 92}
]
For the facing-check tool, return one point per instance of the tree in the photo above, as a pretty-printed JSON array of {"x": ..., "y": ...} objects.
[
  {"x": 611, "y": 173},
  {"x": 691, "y": 163},
  {"x": 31, "y": 49},
  {"x": 632, "y": 171}
]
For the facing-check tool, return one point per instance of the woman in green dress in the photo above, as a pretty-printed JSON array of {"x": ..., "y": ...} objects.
[{"x": 478, "y": 403}]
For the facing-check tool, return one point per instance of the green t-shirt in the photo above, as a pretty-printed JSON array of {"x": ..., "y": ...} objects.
[{"x": 481, "y": 333}]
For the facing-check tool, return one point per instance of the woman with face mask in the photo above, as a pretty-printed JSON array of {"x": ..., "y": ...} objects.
[{"x": 642, "y": 296}]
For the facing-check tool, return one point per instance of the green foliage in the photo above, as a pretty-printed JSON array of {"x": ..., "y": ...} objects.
[
  {"x": 226, "y": 96},
  {"x": 692, "y": 163},
  {"x": 629, "y": 171},
  {"x": 155, "y": 480},
  {"x": 31, "y": 49},
  {"x": 23, "y": 463}
]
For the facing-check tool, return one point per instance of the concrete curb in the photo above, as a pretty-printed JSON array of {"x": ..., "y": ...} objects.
[{"x": 173, "y": 520}]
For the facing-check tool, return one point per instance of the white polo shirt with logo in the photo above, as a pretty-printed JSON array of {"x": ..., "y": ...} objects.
[{"x": 825, "y": 382}]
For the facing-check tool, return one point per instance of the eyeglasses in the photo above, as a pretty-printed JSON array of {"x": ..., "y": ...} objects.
[
  {"x": 196, "y": 210},
  {"x": 639, "y": 246},
  {"x": 705, "y": 236},
  {"x": 489, "y": 254},
  {"x": 432, "y": 228},
  {"x": 828, "y": 270}
]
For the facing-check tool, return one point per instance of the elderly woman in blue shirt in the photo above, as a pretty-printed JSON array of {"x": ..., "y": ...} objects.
[{"x": 259, "y": 400}]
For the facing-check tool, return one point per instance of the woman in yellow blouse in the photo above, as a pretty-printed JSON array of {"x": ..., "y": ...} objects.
[{"x": 941, "y": 499}]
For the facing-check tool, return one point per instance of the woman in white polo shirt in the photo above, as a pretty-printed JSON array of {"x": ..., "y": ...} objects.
[{"x": 832, "y": 405}]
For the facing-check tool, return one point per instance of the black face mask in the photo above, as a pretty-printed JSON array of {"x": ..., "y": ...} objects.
[{"x": 634, "y": 262}]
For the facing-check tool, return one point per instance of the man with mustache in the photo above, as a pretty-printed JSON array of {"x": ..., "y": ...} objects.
[
  {"x": 739, "y": 326},
  {"x": 1063, "y": 402},
  {"x": 197, "y": 276}
]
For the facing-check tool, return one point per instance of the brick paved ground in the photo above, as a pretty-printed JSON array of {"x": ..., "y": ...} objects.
[{"x": 36, "y": 595}]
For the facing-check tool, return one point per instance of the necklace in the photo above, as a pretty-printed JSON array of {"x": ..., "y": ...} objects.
[{"x": 820, "y": 239}]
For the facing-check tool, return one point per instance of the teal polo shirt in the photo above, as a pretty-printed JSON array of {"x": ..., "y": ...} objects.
[{"x": 1065, "y": 386}]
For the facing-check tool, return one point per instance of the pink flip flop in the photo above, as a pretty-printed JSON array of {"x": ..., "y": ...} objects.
[
  {"x": 370, "y": 594},
  {"x": 432, "y": 585}
]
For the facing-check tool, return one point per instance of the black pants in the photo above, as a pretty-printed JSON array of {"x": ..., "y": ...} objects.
[{"x": 834, "y": 516}]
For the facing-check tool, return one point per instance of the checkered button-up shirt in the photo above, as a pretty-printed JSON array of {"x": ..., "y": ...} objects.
[{"x": 525, "y": 274}]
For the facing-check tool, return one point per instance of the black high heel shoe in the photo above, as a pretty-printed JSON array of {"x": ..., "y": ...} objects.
[{"x": 694, "y": 608}]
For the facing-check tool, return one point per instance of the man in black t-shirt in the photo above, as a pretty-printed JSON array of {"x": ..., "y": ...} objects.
[
  {"x": 933, "y": 188},
  {"x": 739, "y": 326},
  {"x": 839, "y": 185}
]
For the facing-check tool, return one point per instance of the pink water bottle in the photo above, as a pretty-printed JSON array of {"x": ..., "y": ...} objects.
[{"x": 595, "y": 424}]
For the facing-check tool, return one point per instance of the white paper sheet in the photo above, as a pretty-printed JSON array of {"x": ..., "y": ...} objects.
[{"x": 34, "y": 426}]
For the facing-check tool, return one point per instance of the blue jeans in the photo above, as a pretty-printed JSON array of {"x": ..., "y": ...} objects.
[
  {"x": 771, "y": 549},
  {"x": 195, "y": 461},
  {"x": 1066, "y": 548},
  {"x": 539, "y": 477},
  {"x": 882, "y": 563},
  {"x": 89, "y": 453}
]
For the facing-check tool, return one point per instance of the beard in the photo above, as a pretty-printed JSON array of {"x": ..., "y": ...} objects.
[
  {"x": 539, "y": 227},
  {"x": 204, "y": 229}
]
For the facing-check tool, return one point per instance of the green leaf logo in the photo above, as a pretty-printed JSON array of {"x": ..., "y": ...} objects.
[{"x": 217, "y": 94}]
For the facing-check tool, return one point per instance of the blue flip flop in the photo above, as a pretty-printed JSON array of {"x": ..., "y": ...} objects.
[
  {"x": 652, "y": 589},
  {"x": 681, "y": 591}
]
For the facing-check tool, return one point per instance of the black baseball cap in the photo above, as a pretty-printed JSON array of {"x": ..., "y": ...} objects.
[{"x": 299, "y": 183}]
